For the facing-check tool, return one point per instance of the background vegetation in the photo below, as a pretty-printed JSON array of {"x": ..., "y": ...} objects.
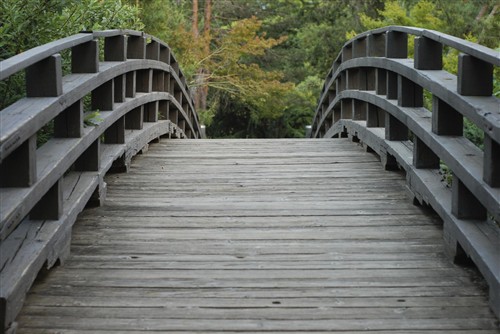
[{"x": 256, "y": 66}]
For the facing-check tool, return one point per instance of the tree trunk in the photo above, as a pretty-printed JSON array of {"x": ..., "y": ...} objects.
[
  {"x": 194, "y": 22},
  {"x": 197, "y": 79},
  {"x": 206, "y": 40},
  {"x": 481, "y": 12}
]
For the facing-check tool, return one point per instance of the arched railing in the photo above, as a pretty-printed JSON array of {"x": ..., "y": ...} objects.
[
  {"x": 374, "y": 94},
  {"x": 139, "y": 93}
]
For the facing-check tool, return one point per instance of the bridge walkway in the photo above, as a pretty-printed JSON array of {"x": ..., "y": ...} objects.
[{"x": 257, "y": 236}]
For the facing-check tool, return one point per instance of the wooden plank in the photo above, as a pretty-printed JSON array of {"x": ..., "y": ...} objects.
[{"x": 293, "y": 238}]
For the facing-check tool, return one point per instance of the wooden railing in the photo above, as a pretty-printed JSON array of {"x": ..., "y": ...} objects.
[
  {"x": 374, "y": 94},
  {"x": 139, "y": 93}
]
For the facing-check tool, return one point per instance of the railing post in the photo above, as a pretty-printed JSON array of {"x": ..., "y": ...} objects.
[
  {"x": 115, "y": 48},
  {"x": 395, "y": 129},
  {"x": 120, "y": 83},
  {"x": 18, "y": 169},
  {"x": 376, "y": 45},
  {"x": 375, "y": 116},
  {"x": 50, "y": 206},
  {"x": 464, "y": 204},
  {"x": 144, "y": 81},
  {"x": 163, "y": 109},
  {"x": 409, "y": 93},
  {"x": 428, "y": 54},
  {"x": 396, "y": 44},
  {"x": 423, "y": 156},
  {"x": 392, "y": 86},
  {"x": 380, "y": 81},
  {"x": 359, "y": 110},
  {"x": 90, "y": 159},
  {"x": 164, "y": 54},
  {"x": 151, "y": 112},
  {"x": 491, "y": 164},
  {"x": 153, "y": 50},
  {"x": 353, "y": 78},
  {"x": 85, "y": 57},
  {"x": 347, "y": 52},
  {"x": 136, "y": 47},
  {"x": 359, "y": 48},
  {"x": 158, "y": 83},
  {"x": 44, "y": 79},
  {"x": 115, "y": 134},
  {"x": 130, "y": 84},
  {"x": 446, "y": 121},
  {"x": 103, "y": 96},
  {"x": 346, "y": 109},
  {"x": 134, "y": 119},
  {"x": 69, "y": 123},
  {"x": 475, "y": 77}
]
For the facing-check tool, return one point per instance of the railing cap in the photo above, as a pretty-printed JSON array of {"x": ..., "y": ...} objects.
[
  {"x": 476, "y": 50},
  {"x": 21, "y": 61}
]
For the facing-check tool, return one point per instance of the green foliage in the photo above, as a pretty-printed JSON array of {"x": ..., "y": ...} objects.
[
  {"x": 473, "y": 133},
  {"x": 45, "y": 134},
  {"x": 92, "y": 118},
  {"x": 460, "y": 18},
  {"x": 29, "y": 23},
  {"x": 446, "y": 173}
]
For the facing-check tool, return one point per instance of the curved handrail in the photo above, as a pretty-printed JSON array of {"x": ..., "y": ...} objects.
[
  {"x": 374, "y": 95},
  {"x": 140, "y": 94}
]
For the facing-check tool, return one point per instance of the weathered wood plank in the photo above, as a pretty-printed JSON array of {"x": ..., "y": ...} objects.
[{"x": 292, "y": 238}]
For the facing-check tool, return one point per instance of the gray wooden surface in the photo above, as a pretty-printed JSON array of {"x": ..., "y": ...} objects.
[{"x": 257, "y": 236}]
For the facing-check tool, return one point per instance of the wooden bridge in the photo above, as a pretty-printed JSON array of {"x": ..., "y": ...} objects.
[{"x": 355, "y": 232}]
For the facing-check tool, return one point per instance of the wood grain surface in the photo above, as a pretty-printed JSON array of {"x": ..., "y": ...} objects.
[{"x": 247, "y": 236}]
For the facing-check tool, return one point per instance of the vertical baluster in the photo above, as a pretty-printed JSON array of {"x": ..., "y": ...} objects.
[
  {"x": 446, "y": 121},
  {"x": 428, "y": 54},
  {"x": 69, "y": 123},
  {"x": 115, "y": 48},
  {"x": 491, "y": 165},
  {"x": 50, "y": 206},
  {"x": 85, "y": 57},
  {"x": 475, "y": 77},
  {"x": 18, "y": 169},
  {"x": 464, "y": 204},
  {"x": 44, "y": 78}
]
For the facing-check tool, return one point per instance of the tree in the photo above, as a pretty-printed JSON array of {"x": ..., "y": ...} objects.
[{"x": 29, "y": 23}]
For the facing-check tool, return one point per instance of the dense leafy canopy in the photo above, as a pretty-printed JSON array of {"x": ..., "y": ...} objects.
[{"x": 255, "y": 66}]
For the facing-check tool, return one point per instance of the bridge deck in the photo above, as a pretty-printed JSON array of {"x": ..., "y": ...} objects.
[{"x": 256, "y": 236}]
